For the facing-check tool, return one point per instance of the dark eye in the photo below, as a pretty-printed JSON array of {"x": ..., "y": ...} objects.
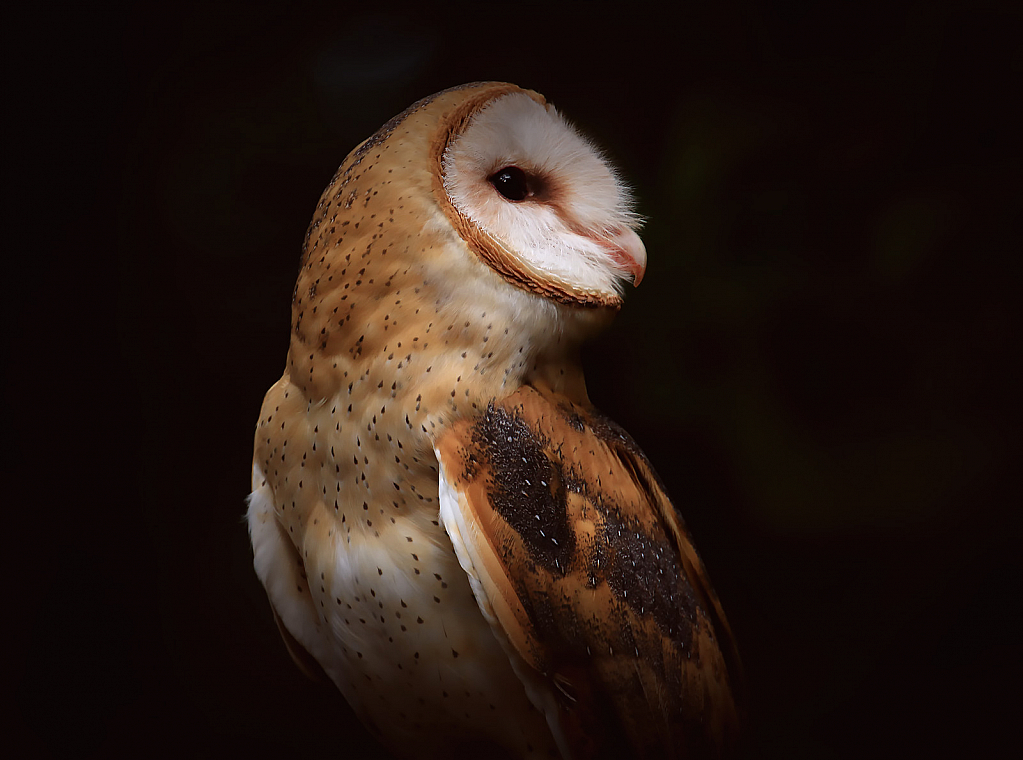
[{"x": 512, "y": 183}]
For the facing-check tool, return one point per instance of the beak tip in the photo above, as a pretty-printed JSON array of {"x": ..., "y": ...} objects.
[{"x": 632, "y": 253}]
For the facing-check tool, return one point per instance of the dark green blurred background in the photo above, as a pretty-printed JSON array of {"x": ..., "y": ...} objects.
[{"x": 819, "y": 361}]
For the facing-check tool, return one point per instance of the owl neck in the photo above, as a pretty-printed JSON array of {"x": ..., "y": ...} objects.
[{"x": 433, "y": 352}]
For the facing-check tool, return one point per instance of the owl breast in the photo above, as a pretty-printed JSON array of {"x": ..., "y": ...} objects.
[{"x": 388, "y": 610}]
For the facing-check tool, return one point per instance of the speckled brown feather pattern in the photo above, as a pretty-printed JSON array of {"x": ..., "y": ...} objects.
[{"x": 596, "y": 581}]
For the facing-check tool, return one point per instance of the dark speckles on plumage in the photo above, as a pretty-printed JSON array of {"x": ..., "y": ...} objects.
[
  {"x": 573, "y": 418},
  {"x": 645, "y": 573},
  {"x": 526, "y": 489},
  {"x": 617, "y": 439},
  {"x": 612, "y": 433}
]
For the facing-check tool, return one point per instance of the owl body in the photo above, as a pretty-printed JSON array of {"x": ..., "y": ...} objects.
[{"x": 414, "y": 311}]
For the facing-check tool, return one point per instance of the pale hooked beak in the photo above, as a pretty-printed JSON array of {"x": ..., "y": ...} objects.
[{"x": 628, "y": 250}]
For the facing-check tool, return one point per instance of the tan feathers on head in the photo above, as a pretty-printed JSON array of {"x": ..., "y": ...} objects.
[{"x": 442, "y": 522}]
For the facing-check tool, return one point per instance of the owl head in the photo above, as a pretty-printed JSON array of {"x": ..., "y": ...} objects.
[
  {"x": 537, "y": 201},
  {"x": 479, "y": 204}
]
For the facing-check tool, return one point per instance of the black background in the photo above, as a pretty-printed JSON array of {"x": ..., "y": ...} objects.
[{"x": 819, "y": 363}]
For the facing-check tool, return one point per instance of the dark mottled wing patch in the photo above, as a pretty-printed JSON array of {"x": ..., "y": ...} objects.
[{"x": 594, "y": 579}]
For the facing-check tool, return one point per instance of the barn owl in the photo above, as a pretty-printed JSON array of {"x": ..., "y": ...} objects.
[{"x": 444, "y": 525}]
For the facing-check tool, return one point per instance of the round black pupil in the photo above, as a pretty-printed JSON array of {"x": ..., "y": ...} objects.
[{"x": 511, "y": 182}]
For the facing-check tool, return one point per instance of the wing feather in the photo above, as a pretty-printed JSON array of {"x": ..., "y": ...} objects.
[{"x": 589, "y": 577}]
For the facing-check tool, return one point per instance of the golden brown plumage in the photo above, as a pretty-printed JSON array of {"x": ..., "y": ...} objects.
[
  {"x": 455, "y": 263},
  {"x": 588, "y": 571}
]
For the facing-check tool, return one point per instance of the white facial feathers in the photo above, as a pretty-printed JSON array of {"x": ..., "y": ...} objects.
[{"x": 575, "y": 223}]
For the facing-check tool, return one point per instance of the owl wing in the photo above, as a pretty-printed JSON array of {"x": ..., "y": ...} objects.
[{"x": 589, "y": 578}]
